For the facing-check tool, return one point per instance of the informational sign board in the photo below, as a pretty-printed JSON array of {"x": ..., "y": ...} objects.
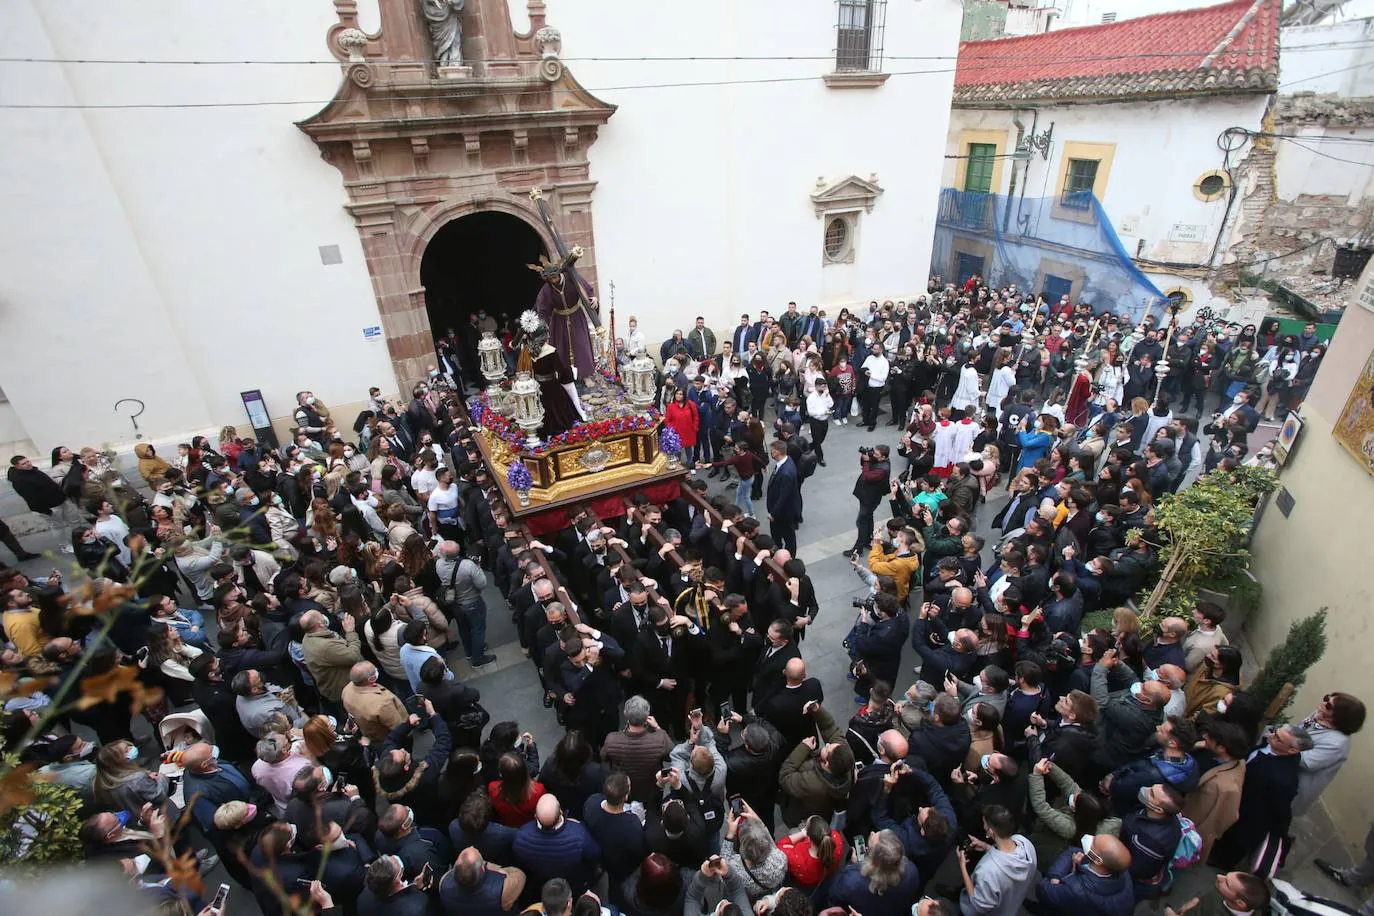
[{"x": 259, "y": 417}]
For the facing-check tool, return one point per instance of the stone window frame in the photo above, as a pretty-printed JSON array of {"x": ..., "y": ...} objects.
[
  {"x": 849, "y": 219},
  {"x": 1220, "y": 193}
]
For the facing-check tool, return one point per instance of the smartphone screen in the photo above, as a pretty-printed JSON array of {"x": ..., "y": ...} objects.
[
  {"x": 426, "y": 876},
  {"x": 736, "y": 806},
  {"x": 695, "y": 714},
  {"x": 221, "y": 897},
  {"x": 725, "y": 711}
]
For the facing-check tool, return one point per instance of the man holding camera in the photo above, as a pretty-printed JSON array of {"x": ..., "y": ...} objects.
[{"x": 875, "y": 472}]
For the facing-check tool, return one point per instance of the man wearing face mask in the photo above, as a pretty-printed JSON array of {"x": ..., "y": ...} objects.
[
  {"x": 1129, "y": 717},
  {"x": 1152, "y": 832},
  {"x": 1094, "y": 878},
  {"x": 252, "y": 517},
  {"x": 315, "y": 800},
  {"x": 211, "y": 782},
  {"x": 399, "y": 836},
  {"x": 308, "y": 418},
  {"x": 1171, "y": 765},
  {"x": 388, "y": 893},
  {"x": 401, "y": 779},
  {"x": 996, "y": 782}
]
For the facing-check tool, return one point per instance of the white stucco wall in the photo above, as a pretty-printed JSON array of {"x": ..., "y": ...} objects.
[
  {"x": 1328, "y": 58},
  {"x": 171, "y": 254},
  {"x": 1161, "y": 150},
  {"x": 1331, "y": 161},
  {"x": 703, "y": 198}
]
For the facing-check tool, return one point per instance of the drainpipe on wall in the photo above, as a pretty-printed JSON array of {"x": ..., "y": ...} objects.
[{"x": 1011, "y": 189}]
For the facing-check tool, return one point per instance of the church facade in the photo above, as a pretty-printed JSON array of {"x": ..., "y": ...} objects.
[{"x": 271, "y": 197}]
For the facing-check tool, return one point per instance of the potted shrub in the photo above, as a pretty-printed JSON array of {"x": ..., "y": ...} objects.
[{"x": 1206, "y": 532}]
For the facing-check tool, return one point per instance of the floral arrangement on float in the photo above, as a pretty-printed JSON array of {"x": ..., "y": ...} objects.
[
  {"x": 670, "y": 443},
  {"x": 504, "y": 428},
  {"x": 520, "y": 481}
]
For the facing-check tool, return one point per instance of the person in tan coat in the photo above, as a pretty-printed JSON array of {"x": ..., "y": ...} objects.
[
  {"x": 411, "y": 603},
  {"x": 376, "y": 709},
  {"x": 1215, "y": 804},
  {"x": 328, "y": 655}
]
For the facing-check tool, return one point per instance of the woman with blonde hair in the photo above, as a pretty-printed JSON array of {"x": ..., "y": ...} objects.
[
  {"x": 398, "y": 526},
  {"x": 121, "y": 784}
]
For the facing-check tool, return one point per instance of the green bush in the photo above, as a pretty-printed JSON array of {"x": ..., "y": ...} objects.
[
  {"x": 42, "y": 831},
  {"x": 1289, "y": 661},
  {"x": 1206, "y": 529}
]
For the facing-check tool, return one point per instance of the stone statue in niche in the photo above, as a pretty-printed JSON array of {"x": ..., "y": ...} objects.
[{"x": 445, "y": 30}]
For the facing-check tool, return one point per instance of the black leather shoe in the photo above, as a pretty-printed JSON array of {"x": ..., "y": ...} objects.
[{"x": 1331, "y": 872}]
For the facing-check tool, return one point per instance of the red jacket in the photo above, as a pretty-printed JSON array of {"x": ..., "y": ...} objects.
[
  {"x": 508, "y": 814},
  {"x": 684, "y": 420}
]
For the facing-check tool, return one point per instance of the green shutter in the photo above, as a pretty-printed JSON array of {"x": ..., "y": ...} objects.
[{"x": 978, "y": 175}]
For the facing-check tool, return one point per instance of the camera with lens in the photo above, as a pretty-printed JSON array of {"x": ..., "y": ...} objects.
[{"x": 865, "y": 450}]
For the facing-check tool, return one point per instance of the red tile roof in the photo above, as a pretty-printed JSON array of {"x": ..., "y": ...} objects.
[{"x": 1226, "y": 49}]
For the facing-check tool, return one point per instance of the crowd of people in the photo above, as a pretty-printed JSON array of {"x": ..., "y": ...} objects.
[{"x": 310, "y": 617}]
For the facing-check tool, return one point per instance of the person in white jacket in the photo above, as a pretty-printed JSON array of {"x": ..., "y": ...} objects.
[
  {"x": 1336, "y": 718},
  {"x": 1000, "y": 383},
  {"x": 194, "y": 559},
  {"x": 968, "y": 394}
]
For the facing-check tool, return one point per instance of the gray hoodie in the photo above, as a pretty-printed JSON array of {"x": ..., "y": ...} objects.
[{"x": 1001, "y": 881}]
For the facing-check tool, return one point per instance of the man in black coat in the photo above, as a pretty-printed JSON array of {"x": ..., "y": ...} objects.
[
  {"x": 783, "y": 497},
  {"x": 401, "y": 779},
  {"x": 1266, "y": 799},
  {"x": 661, "y": 659},
  {"x": 959, "y": 659},
  {"x": 751, "y": 767},
  {"x": 943, "y": 744},
  {"x": 790, "y": 708},
  {"x": 778, "y": 650}
]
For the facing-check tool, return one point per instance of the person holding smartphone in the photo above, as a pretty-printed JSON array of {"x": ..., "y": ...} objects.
[{"x": 388, "y": 893}]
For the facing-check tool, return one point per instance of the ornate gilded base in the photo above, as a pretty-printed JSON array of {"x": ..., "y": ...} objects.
[{"x": 578, "y": 472}]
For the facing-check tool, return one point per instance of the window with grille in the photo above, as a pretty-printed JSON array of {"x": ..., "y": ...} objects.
[
  {"x": 859, "y": 34},
  {"x": 836, "y": 239},
  {"x": 978, "y": 174},
  {"x": 1108, "y": 17},
  {"x": 1078, "y": 185}
]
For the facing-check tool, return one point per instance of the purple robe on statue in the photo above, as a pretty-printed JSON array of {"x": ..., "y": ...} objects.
[
  {"x": 568, "y": 329},
  {"x": 560, "y": 413}
]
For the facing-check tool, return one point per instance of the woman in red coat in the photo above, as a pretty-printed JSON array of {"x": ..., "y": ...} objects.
[{"x": 682, "y": 416}]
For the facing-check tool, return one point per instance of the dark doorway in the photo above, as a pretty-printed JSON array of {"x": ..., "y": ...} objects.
[
  {"x": 966, "y": 265},
  {"x": 1055, "y": 288},
  {"x": 478, "y": 261}
]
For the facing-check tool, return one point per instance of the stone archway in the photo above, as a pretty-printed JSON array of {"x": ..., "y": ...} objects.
[
  {"x": 478, "y": 261},
  {"x": 419, "y": 147}
]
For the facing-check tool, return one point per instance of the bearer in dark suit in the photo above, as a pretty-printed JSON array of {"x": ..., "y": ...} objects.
[{"x": 784, "y": 497}]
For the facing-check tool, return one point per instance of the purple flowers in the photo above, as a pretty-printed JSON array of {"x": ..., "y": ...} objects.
[
  {"x": 669, "y": 441},
  {"x": 519, "y": 476}
]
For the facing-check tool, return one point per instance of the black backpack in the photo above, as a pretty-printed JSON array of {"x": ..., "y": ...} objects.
[{"x": 808, "y": 462}]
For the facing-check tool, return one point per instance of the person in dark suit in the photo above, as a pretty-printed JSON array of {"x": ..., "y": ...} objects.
[
  {"x": 784, "y": 497},
  {"x": 944, "y": 742},
  {"x": 791, "y": 707},
  {"x": 661, "y": 660},
  {"x": 744, "y": 334},
  {"x": 1266, "y": 799},
  {"x": 959, "y": 659},
  {"x": 778, "y": 650}
]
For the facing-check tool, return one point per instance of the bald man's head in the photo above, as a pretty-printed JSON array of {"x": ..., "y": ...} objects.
[
  {"x": 961, "y": 597},
  {"x": 892, "y": 745},
  {"x": 1156, "y": 694},
  {"x": 1172, "y": 675},
  {"x": 468, "y": 868},
  {"x": 548, "y": 812},
  {"x": 362, "y": 674},
  {"x": 449, "y": 550},
  {"x": 199, "y": 757},
  {"x": 1173, "y": 628},
  {"x": 795, "y": 672},
  {"x": 1111, "y": 853}
]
